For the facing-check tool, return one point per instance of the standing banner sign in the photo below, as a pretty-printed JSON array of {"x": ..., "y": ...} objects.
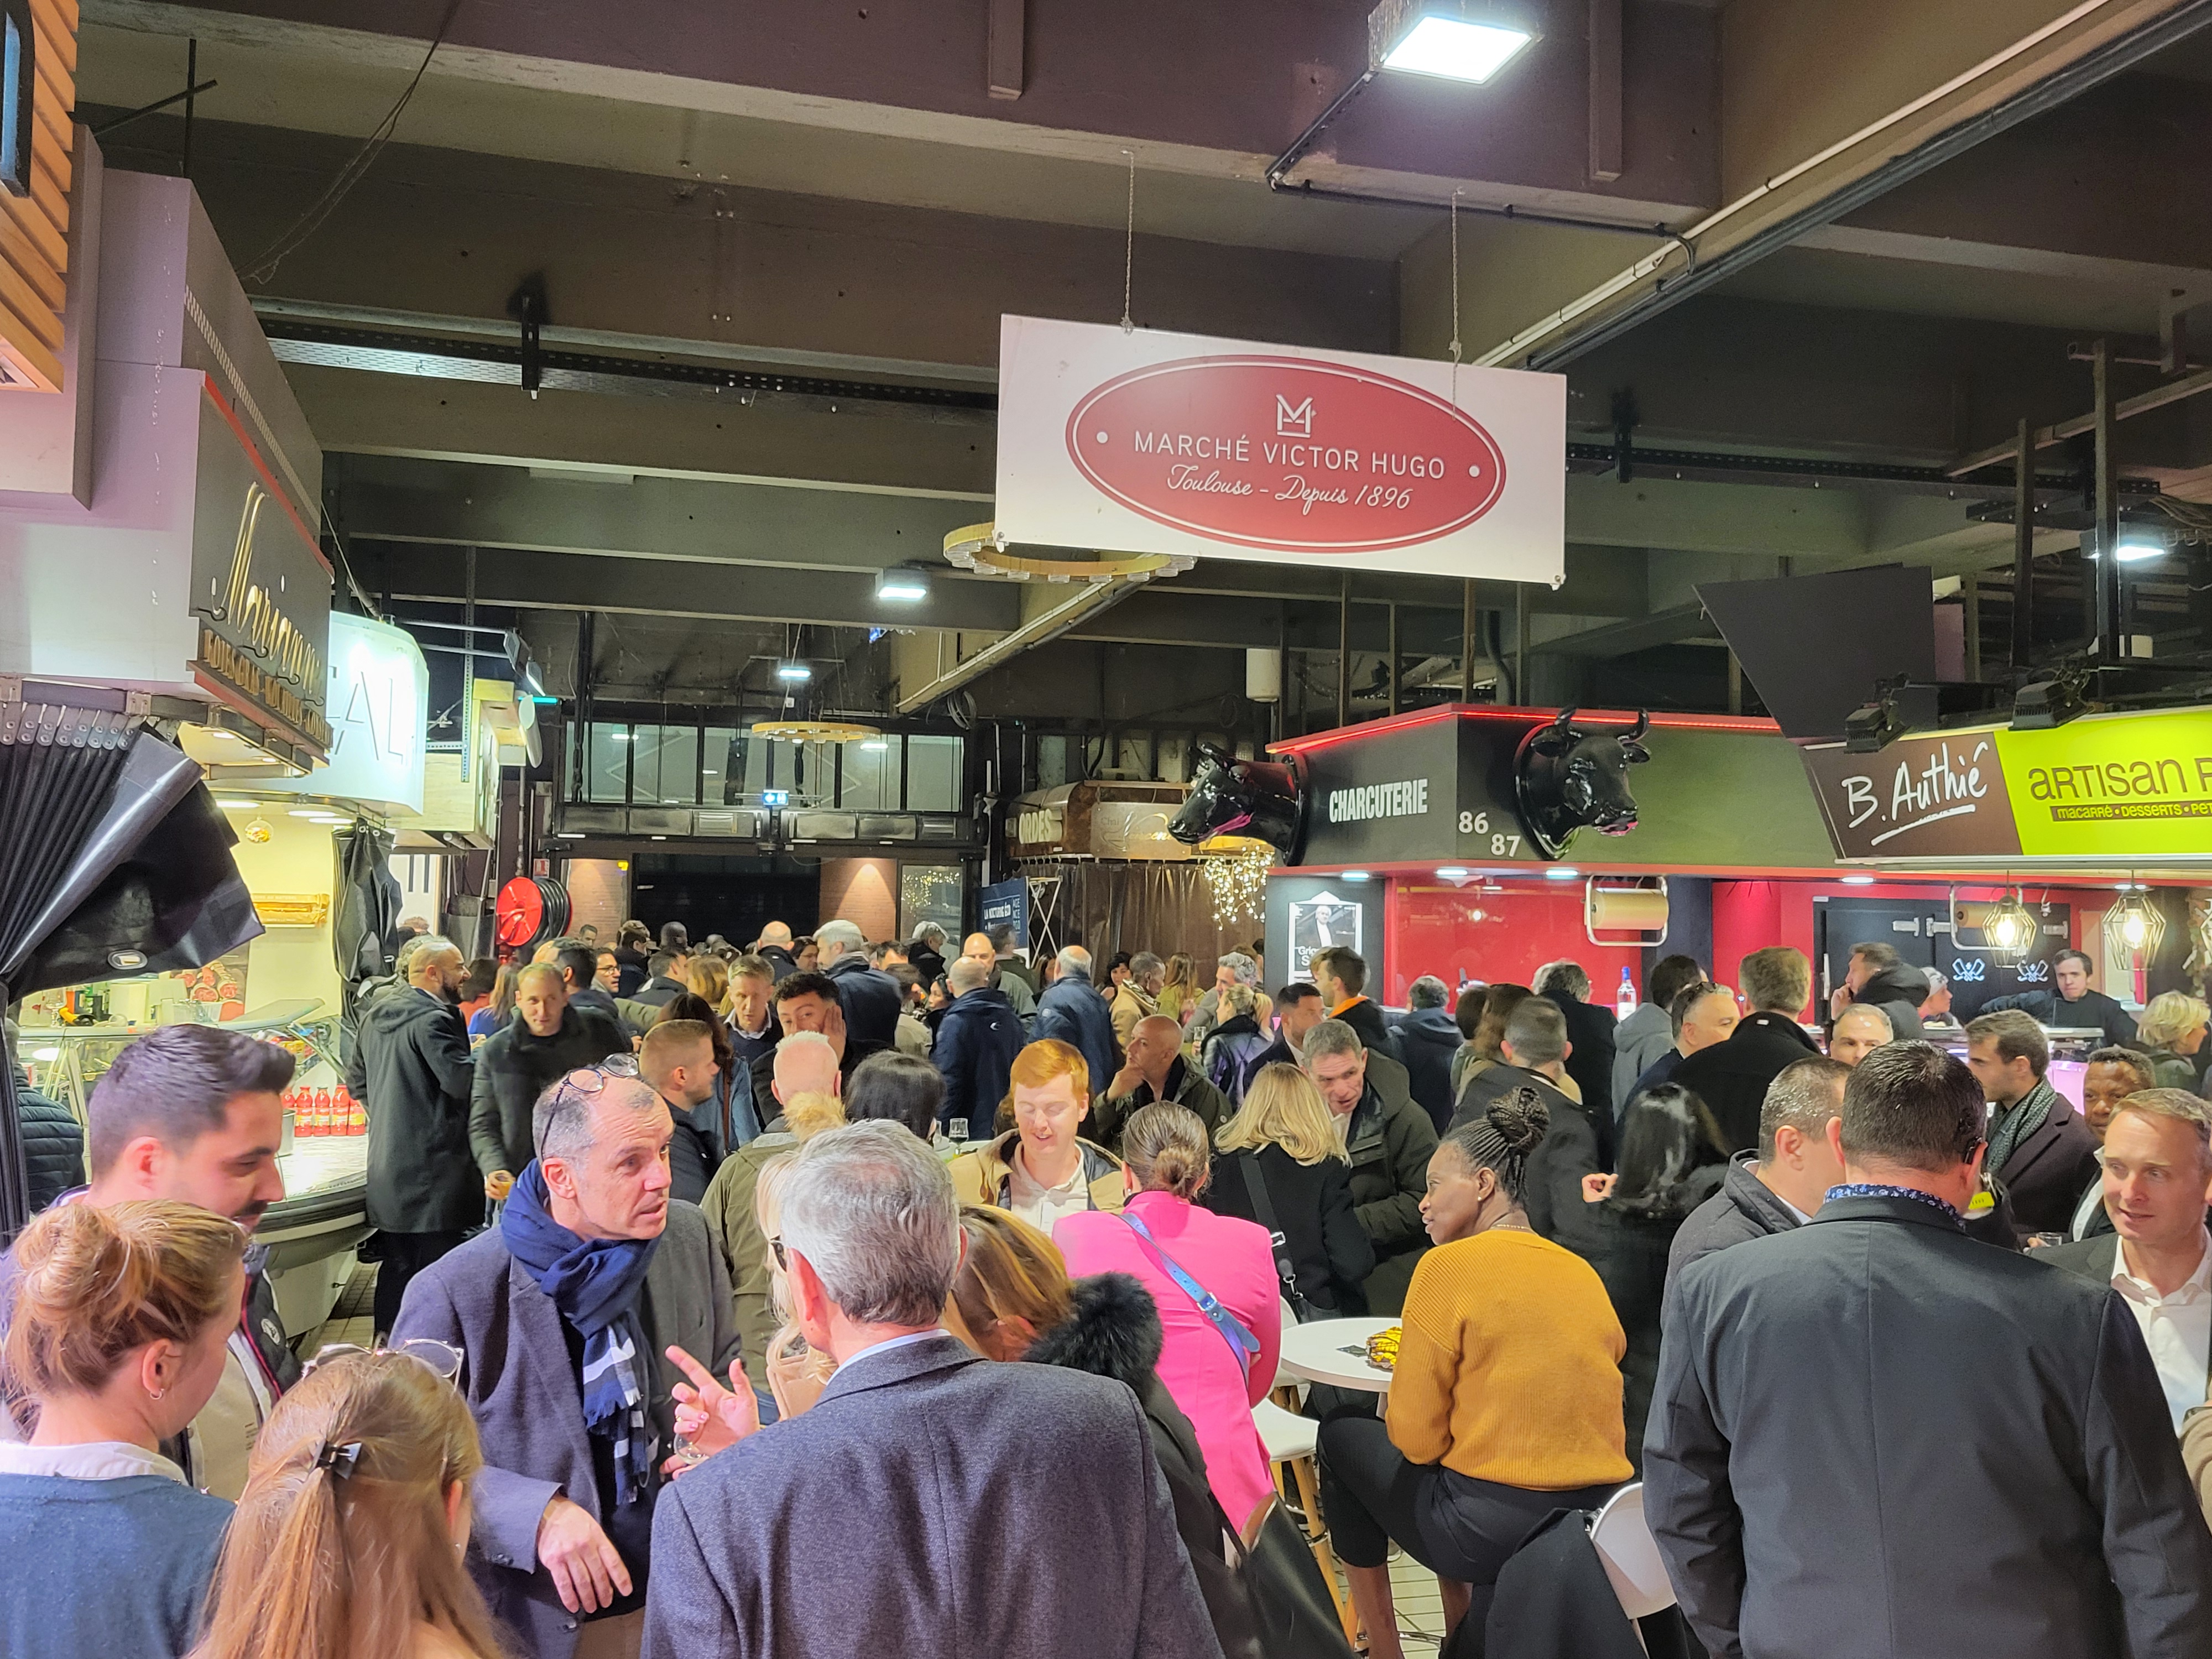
[
  {"x": 1178, "y": 444},
  {"x": 1006, "y": 902}
]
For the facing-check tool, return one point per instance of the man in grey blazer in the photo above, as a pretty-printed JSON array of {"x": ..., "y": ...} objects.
[
  {"x": 593, "y": 1273},
  {"x": 932, "y": 1502},
  {"x": 1874, "y": 1438}
]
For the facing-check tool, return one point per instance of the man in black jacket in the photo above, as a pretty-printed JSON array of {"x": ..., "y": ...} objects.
[
  {"x": 2039, "y": 1148},
  {"x": 550, "y": 1035},
  {"x": 1387, "y": 1140},
  {"x": 1783, "y": 1184},
  {"x": 2072, "y": 1003},
  {"x": 1590, "y": 1034},
  {"x": 1155, "y": 1069},
  {"x": 870, "y": 998},
  {"x": 1577, "y": 1142},
  {"x": 410, "y": 1069},
  {"x": 976, "y": 1043},
  {"x": 1341, "y": 974},
  {"x": 1732, "y": 1076},
  {"x": 663, "y": 987},
  {"x": 1872, "y": 1438},
  {"x": 809, "y": 1002},
  {"x": 1878, "y": 975},
  {"x": 1428, "y": 1037},
  {"x": 1299, "y": 1008},
  {"x": 53, "y": 1145}
]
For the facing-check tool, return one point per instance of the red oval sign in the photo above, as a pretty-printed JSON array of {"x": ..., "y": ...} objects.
[{"x": 1283, "y": 453}]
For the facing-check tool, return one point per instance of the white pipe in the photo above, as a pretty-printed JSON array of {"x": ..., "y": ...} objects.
[{"x": 1650, "y": 263}]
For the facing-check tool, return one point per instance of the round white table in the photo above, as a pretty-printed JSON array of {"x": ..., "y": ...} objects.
[{"x": 1334, "y": 1351}]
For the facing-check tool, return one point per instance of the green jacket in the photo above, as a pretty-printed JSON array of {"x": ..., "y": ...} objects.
[
  {"x": 730, "y": 1223},
  {"x": 1186, "y": 1086}
]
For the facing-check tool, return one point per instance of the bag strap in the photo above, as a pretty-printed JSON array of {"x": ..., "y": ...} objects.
[
  {"x": 1263, "y": 1206},
  {"x": 1243, "y": 1343}
]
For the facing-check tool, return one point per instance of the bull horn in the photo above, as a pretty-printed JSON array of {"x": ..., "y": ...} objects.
[
  {"x": 1642, "y": 724},
  {"x": 1567, "y": 718}
]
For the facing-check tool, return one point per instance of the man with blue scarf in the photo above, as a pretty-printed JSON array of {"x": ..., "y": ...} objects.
[{"x": 564, "y": 1314}]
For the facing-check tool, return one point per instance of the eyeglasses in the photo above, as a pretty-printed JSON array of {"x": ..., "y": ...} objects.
[
  {"x": 591, "y": 1080},
  {"x": 442, "y": 1357},
  {"x": 782, "y": 1263}
]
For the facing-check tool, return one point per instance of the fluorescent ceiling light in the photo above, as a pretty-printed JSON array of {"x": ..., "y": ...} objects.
[
  {"x": 1361, "y": 875},
  {"x": 1858, "y": 881},
  {"x": 1451, "y": 873},
  {"x": 1454, "y": 48},
  {"x": 238, "y": 805},
  {"x": 793, "y": 671},
  {"x": 568, "y": 834},
  {"x": 1564, "y": 872},
  {"x": 306, "y": 813},
  {"x": 903, "y": 585}
]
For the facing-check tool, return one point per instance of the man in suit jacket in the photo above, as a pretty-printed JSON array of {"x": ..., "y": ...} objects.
[
  {"x": 1874, "y": 1438},
  {"x": 1589, "y": 1030},
  {"x": 563, "y": 1506},
  {"x": 1732, "y": 1076},
  {"x": 761, "y": 1550},
  {"x": 2157, "y": 1179},
  {"x": 2039, "y": 1148}
]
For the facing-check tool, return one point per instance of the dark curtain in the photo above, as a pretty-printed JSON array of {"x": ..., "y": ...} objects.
[
  {"x": 1156, "y": 906},
  {"x": 113, "y": 860}
]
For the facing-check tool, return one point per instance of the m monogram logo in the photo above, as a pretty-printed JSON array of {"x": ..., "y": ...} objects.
[{"x": 1293, "y": 423}]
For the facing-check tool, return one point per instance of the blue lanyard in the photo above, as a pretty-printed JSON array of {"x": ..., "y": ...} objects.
[{"x": 1242, "y": 1343}]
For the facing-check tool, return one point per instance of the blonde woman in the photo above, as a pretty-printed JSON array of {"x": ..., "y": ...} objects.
[
  {"x": 1282, "y": 1146},
  {"x": 2173, "y": 1032},
  {"x": 349, "y": 1539},
  {"x": 797, "y": 1373},
  {"x": 117, "y": 1338},
  {"x": 707, "y": 978},
  {"x": 1180, "y": 991}
]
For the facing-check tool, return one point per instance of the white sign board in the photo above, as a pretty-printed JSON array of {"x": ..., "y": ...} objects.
[
  {"x": 378, "y": 695},
  {"x": 1147, "y": 442}
]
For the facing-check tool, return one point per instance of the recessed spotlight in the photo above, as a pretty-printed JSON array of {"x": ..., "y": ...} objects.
[
  {"x": 1563, "y": 872},
  {"x": 1451, "y": 873},
  {"x": 659, "y": 838},
  {"x": 1857, "y": 881},
  {"x": 1360, "y": 875},
  {"x": 903, "y": 585}
]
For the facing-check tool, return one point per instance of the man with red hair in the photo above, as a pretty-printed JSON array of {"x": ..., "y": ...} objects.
[{"x": 1042, "y": 1168}]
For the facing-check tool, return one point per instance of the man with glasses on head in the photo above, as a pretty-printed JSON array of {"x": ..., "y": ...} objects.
[
  {"x": 194, "y": 1115},
  {"x": 567, "y": 1312}
]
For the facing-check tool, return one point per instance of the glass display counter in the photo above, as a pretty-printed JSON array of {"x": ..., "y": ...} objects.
[{"x": 310, "y": 1234}]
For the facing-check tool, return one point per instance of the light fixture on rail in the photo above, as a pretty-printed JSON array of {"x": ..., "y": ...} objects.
[
  {"x": 2010, "y": 927},
  {"x": 2043, "y": 704},
  {"x": 902, "y": 584},
  {"x": 1452, "y": 40}
]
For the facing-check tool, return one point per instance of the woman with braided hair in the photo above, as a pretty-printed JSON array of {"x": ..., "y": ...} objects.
[{"x": 1505, "y": 1398}]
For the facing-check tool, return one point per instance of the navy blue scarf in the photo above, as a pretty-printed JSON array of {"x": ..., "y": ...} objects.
[{"x": 594, "y": 1282}]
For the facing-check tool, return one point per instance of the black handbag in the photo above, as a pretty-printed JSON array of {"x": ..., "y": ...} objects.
[
  {"x": 1263, "y": 1208},
  {"x": 1292, "y": 1614}
]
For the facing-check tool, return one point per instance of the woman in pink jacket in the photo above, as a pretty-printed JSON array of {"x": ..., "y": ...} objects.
[{"x": 1218, "y": 1365}]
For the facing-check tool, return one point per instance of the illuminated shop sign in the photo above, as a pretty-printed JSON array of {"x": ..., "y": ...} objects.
[{"x": 1407, "y": 798}]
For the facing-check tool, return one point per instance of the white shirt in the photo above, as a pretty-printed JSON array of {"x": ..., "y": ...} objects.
[
  {"x": 887, "y": 1343},
  {"x": 1042, "y": 1207},
  {"x": 2177, "y": 1329},
  {"x": 95, "y": 1459}
]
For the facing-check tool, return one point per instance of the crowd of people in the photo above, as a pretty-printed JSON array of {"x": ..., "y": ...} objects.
[{"x": 699, "y": 1267}]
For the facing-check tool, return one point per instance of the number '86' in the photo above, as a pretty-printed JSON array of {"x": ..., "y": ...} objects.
[{"x": 1474, "y": 824}]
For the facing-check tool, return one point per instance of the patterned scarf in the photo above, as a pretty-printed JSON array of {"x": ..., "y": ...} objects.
[
  {"x": 1877, "y": 1190},
  {"x": 594, "y": 1282},
  {"x": 2030, "y": 1113}
]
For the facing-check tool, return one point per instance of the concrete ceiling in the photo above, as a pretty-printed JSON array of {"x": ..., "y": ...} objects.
[{"x": 835, "y": 191}]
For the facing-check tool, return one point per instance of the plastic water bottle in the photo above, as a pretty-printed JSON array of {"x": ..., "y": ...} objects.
[{"x": 1624, "y": 999}]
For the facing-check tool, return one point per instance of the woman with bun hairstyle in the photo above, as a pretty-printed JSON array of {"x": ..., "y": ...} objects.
[
  {"x": 349, "y": 1538},
  {"x": 1215, "y": 1372},
  {"x": 116, "y": 1341},
  {"x": 1505, "y": 1401}
]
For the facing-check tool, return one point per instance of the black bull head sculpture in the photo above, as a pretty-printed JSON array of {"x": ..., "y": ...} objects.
[
  {"x": 1232, "y": 797},
  {"x": 1568, "y": 778}
]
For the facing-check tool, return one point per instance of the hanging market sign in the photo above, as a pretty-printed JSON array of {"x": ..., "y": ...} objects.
[
  {"x": 1180, "y": 444},
  {"x": 2113, "y": 786}
]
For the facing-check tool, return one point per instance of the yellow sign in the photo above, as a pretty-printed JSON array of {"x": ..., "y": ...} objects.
[{"x": 2114, "y": 785}]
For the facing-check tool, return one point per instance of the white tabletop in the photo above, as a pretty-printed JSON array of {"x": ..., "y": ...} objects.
[{"x": 1334, "y": 1350}]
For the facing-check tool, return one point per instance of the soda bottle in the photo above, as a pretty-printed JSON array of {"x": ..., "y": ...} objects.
[{"x": 1624, "y": 999}]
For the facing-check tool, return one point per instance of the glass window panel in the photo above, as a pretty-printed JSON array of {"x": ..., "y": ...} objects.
[
  {"x": 872, "y": 776},
  {"x": 606, "y": 762},
  {"x": 667, "y": 765},
  {"x": 718, "y": 774},
  {"x": 815, "y": 781},
  {"x": 929, "y": 892},
  {"x": 932, "y": 775}
]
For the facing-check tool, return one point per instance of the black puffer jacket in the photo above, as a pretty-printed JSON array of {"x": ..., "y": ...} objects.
[
  {"x": 53, "y": 1145},
  {"x": 1115, "y": 1332},
  {"x": 1898, "y": 992}
]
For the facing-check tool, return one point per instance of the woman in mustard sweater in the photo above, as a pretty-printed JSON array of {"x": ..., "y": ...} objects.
[{"x": 1505, "y": 1401}]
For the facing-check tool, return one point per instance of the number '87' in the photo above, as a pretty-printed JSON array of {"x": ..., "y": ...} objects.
[{"x": 1501, "y": 846}]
